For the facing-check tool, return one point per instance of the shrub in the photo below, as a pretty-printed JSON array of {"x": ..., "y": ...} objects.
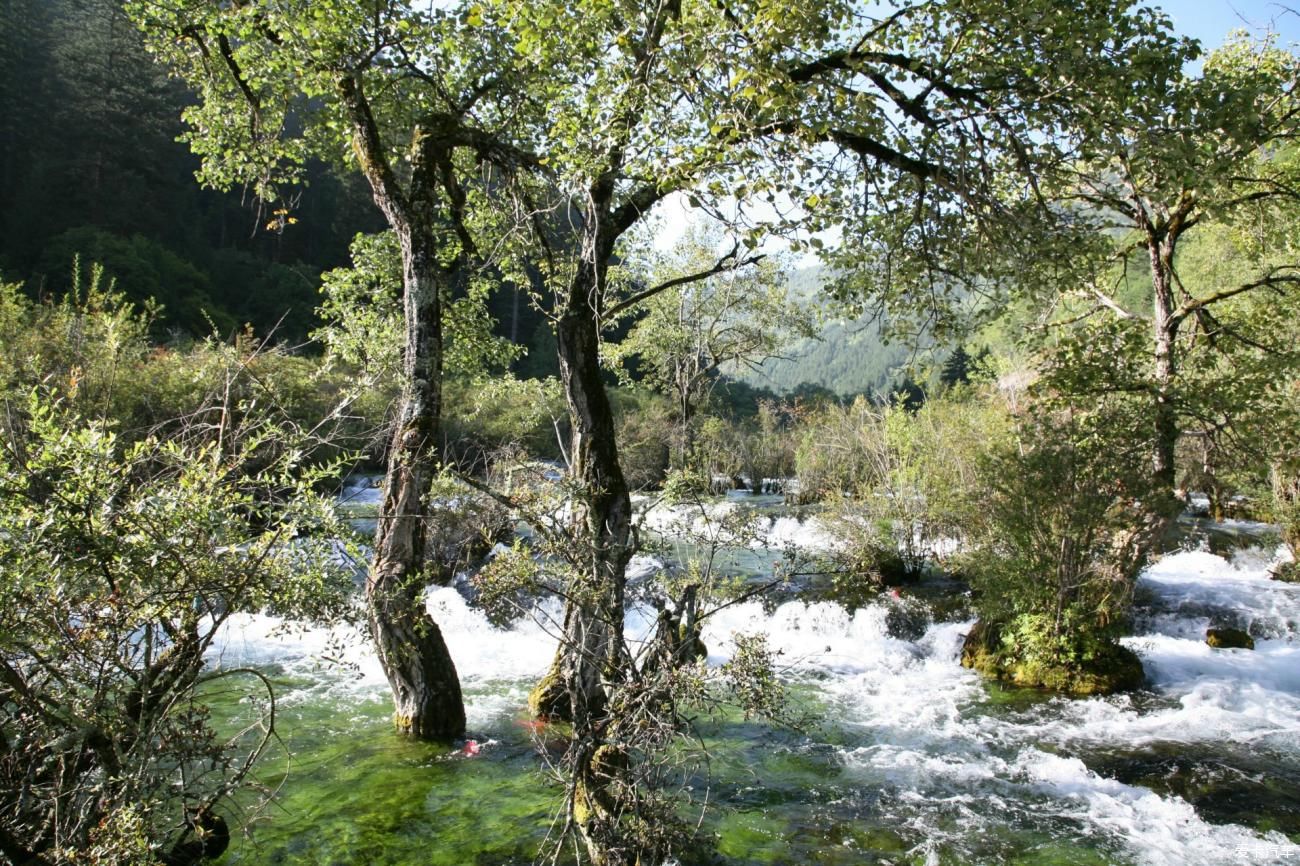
[
  {"x": 644, "y": 423},
  {"x": 1069, "y": 522},
  {"x": 119, "y": 565},
  {"x": 86, "y": 347},
  {"x": 913, "y": 490},
  {"x": 835, "y": 451}
]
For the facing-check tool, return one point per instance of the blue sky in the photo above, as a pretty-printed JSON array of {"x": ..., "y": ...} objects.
[{"x": 1211, "y": 20}]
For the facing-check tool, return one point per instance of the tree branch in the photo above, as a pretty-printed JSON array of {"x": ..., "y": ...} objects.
[
  {"x": 1273, "y": 278},
  {"x": 729, "y": 262},
  {"x": 368, "y": 146},
  {"x": 641, "y": 200}
]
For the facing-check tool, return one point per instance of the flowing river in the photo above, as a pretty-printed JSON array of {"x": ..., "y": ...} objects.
[{"x": 910, "y": 759}]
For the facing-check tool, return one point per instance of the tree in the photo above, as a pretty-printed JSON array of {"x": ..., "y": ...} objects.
[
  {"x": 956, "y": 368},
  {"x": 1055, "y": 557},
  {"x": 686, "y": 334},
  {"x": 394, "y": 86},
  {"x": 1198, "y": 155},
  {"x": 919, "y": 127},
  {"x": 92, "y": 125}
]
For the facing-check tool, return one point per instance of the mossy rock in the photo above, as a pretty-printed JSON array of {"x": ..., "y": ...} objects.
[
  {"x": 1229, "y": 638},
  {"x": 609, "y": 761},
  {"x": 981, "y": 650},
  {"x": 549, "y": 700},
  {"x": 1287, "y": 572},
  {"x": 1111, "y": 668},
  {"x": 950, "y": 607},
  {"x": 1118, "y": 669}
]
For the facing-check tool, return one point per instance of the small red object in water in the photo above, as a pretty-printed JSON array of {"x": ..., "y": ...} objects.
[
  {"x": 894, "y": 593},
  {"x": 534, "y": 726},
  {"x": 471, "y": 748}
]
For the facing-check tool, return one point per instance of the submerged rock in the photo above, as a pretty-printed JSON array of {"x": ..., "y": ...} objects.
[
  {"x": 1229, "y": 638},
  {"x": 1108, "y": 669},
  {"x": 907, "y": 618},
  {"x": 211, "y": 838}
]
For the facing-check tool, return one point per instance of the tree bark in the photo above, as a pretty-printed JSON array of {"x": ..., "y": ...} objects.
[
  {"x": 1165, "y": 325},
  {"x": 426, "y": 691},
  {"x": 602, "y": 515}
]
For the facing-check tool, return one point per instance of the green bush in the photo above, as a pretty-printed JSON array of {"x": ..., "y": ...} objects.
[
  {"x": 835, "y": 449},
  {"x": 87, "y": 347},
  {"x": 119, "y": 564},
  {"x": 91, "y": 349},
  {"x": 725, "y": 447},
  {"x": 1069, "y": 519},
  {"x": 906, "y": 490},
  {"x": 645, "y": 425},
  {"x": 761, "y": 447},
  {"x": 485, "y": 415}
]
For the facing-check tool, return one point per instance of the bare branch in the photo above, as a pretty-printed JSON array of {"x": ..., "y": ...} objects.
[{"x": 729, "y": 262}]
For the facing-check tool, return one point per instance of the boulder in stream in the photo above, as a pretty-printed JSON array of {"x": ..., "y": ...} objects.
[
  {"x": 1108, "y": 668},
  {"x": 1229, "y": 638}
]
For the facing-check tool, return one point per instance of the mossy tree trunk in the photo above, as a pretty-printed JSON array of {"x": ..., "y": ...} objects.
[
  {"x": 426, "y": 690},
  {"x": 592, "y": 652}
]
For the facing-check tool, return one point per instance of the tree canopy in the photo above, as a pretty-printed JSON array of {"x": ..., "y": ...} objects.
[{"x": 530, "y": 139}]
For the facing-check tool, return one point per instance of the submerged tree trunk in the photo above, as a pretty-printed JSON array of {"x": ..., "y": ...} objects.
[
  {"x": 426, "y": 691},
  {"x": 592, "y": 654}
]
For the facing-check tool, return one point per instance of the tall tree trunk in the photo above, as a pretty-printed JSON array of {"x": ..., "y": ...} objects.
[
  {"x": 1165, "y": 416},
  {"x": 592, "y": 652},
  {"x": 426, "y": 690},
  {"x": 686, "y": 445}
]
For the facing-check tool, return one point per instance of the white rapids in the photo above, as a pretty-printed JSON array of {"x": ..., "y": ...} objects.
[{"x": 955, "y": 763}]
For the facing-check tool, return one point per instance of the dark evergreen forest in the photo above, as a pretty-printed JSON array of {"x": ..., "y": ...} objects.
[{"x": 92, "y": 164}]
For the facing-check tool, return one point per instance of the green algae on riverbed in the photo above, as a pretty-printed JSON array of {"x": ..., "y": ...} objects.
[{"x": 355, "y": 792}]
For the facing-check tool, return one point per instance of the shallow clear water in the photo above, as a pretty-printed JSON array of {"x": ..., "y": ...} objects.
[{"x": 911, "y": 759}]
